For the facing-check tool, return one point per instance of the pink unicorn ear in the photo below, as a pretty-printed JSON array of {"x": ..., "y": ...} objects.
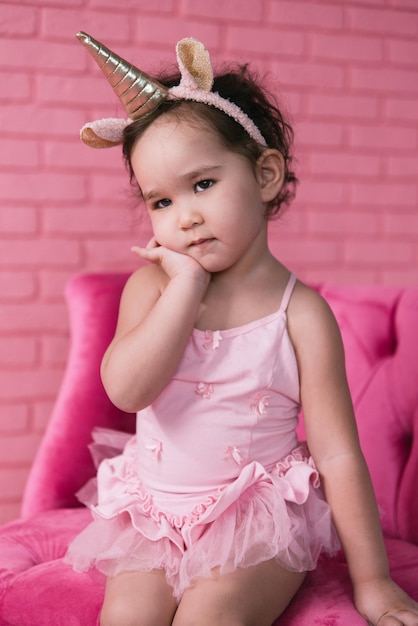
[
  {"x": 104, "y": 133},
  {"x": 194, "y": 64},
  {"x": 138, "y": 92}
]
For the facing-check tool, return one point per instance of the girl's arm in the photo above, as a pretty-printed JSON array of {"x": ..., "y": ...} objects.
[
  {"x": 158, "y": 311},
  {"x": 333, "y": 441}
]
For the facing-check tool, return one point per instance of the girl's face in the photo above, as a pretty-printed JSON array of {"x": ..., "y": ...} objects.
[{"x": 203, "y": 200}]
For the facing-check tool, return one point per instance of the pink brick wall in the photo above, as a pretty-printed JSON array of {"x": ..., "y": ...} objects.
[{"x": 348, "y": 70}]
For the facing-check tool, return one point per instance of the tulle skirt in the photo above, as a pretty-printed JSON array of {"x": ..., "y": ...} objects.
[{"x": 279, "y": 513}]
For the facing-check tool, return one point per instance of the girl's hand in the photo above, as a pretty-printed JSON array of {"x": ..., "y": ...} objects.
[
  {"x": 173, "y": 263},
  {"x": 383, "y": 603}
]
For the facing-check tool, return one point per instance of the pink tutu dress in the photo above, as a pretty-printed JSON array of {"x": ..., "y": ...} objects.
[{"x": 215, "y": 476}]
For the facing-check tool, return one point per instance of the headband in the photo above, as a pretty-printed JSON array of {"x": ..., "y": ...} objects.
[{"x": 140, "y": 94}]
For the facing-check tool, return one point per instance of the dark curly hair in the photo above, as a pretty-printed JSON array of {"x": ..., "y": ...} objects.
[{"x": 241, "y": 87}]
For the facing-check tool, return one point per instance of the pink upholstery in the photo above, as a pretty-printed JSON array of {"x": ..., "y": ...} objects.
[{"x": 380, "y": 332}]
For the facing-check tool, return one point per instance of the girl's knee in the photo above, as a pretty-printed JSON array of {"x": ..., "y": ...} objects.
[
  {"x": 253, "y": 596},
  {"x": 120, "y": 613},
  {"x": 203, "y": 618},
  {"x": 138, "y": 599}
]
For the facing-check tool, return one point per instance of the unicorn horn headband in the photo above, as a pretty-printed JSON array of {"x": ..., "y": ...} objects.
[{"x": 140, "y": 94}]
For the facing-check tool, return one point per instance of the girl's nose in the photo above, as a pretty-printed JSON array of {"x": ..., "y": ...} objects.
[{"x": 189, "y": 217}]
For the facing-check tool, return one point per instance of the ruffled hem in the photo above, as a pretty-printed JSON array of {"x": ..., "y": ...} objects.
[{"x": 278, "y": 514}]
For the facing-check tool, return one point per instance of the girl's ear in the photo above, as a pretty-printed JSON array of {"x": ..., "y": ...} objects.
[{"x": 270, "y": 173}]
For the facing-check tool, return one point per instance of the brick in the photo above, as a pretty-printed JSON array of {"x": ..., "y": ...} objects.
[
  {"x": 340, "y": 223},
  {"x": 342, "y": 106},
  {"x": 68, "y": 3},
  {"x": 87, "y": 89},
  {"x": 42, "y": 185},
  {"x": 76, "y": 155},
  {"x": 12, "y": 482},
  {"x": 147, "y": 6},
  {"x": 91, "y": 220},
  {"x": 344, "y": 164},
  {"x": 369, "y": 2},
  {"x": 290, "y": 103},
  {"x": 306, "y": 251},
  {"x": 401, "y": 108},
  {"x": 404, "y": 4},
  {"x": 384, "y": 80},
  {"x": 18, "y": 152},
  {"x": 15, "y": 419},
  {"x": 29, "y": 384},
  {"x": 265, "y": 41},
  {"x": 376, "y": 253},
  {"x": 404, "y": 276},
  {"x": 9, "y": 511},
  {"x": 112, "y": 189},
  {"x": 17, "y": 285},
  {"x": 39, "y": 253},
  {"x": 54, "y": 351},
  {"x": 317, "y": 192},
  {"x": 384, "y": 194},
  {"x": 381, "y": 137},
  {"x": 110, "y": 27},
  {"x": 16, "y": 352},
  {"x": 52, "y": 283},
  {"x": 340, "y": 276},
  {"x": 108, "y": 253},
  {"x": 18, "y": 86},
  {"x": 347, "y": 47},
  {"x": 35, "y": 53},
  {"x": 316, "y": 133},
  {"x": 403, "y": 167},
  {"x": 16, "y": 20},
  {"x": 305, "y": 14},
  {"x": 41, "y": 415},
  {"x": 18, "y": 219},
  {"x": 154, "y": 30},
  {"x": 39, "y": 121},
  {"x": 382, "y": 21},
  {"x": 405, "y": 224},
  {"x": 33, "y": 318},
  {"x": 405, "y": 52},
  {"x": 234, "y": 10},
  {"x": 289, "y": 222},
  {"x": 309, "y": 75}
]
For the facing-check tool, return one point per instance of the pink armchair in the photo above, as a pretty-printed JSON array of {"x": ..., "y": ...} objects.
[{"x": 380, "y": 331}]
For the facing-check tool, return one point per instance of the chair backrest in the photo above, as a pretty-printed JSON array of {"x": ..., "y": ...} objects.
[
  {"x": 63, "y": 463},
  {"x": 380, "y": 333}
]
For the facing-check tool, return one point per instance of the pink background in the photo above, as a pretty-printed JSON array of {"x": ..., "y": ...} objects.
[{"x": 347, "y": 71}]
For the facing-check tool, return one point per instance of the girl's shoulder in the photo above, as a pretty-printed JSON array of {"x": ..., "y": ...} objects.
[
  {"x": 311, "y": 321},
  {"x": 307, "y": 305},
  {"x": 141, "y": 291},
  {"x": 148, "y": 278}
]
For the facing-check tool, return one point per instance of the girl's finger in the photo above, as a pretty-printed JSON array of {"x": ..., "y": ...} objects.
[
  {"x": 152, "y": 244},
  {"x": 137, "y": 250},
  {"x": 149, "y": 254}
]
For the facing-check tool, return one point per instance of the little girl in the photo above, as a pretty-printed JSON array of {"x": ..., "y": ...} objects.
[{"x": 213, "y": 512}]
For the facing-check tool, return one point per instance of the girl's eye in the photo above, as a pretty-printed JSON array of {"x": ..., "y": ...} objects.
[
  {"x": 162, "y": 204},
  {"x": 202, "y": 185}
]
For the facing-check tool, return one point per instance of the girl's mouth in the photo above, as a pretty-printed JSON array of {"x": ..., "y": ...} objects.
[{"x": 201, "y": 242}]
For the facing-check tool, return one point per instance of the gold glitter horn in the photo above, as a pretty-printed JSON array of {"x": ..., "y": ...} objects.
[{"x": 138, "y": 93}]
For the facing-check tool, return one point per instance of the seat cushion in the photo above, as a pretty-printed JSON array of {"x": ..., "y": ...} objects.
[{"x": 38, "y": 589}]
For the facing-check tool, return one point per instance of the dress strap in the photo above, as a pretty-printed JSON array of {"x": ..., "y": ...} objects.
[{"x": 288, "y": 291}]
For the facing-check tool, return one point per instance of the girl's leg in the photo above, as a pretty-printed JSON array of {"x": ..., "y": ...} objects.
[
  {"x": 253, "y": 596},
  {"x": 138, "y": 599}
]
